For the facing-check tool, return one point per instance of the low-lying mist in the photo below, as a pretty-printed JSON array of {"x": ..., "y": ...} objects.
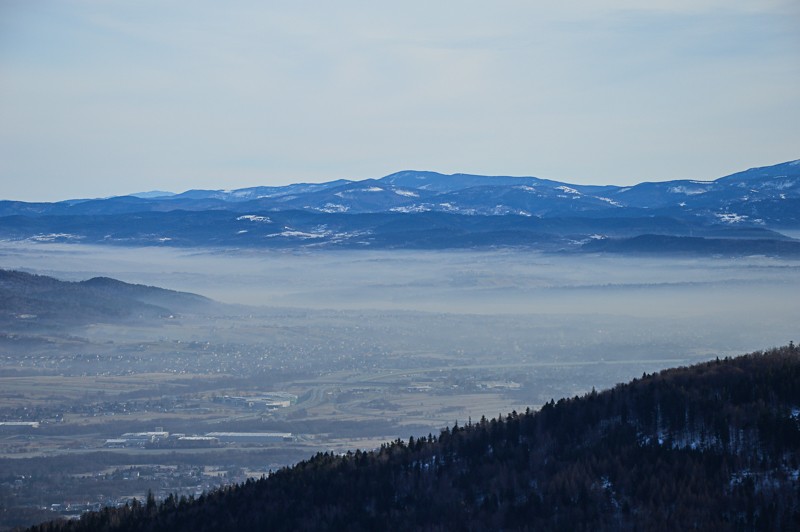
[
  {"x": 698, "y": 306},
  {"x": 315, "y": 350}
]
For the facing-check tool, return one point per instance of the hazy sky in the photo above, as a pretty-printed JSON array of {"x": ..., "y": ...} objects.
[{"x": 101, "y": 98}]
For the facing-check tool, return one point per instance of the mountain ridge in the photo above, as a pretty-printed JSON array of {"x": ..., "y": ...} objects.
[{"x": 364, "y": 214}]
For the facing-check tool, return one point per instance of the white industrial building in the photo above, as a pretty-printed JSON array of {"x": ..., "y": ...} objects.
[{"x": 251, "y": 437}]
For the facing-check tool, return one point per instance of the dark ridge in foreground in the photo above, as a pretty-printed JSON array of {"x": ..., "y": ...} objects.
[{"x": 710, "y": 447}]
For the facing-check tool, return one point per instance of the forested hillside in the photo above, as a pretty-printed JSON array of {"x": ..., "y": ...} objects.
[
  {"x": 29, "y": 302},
  {"x": 715, "y": 446}
]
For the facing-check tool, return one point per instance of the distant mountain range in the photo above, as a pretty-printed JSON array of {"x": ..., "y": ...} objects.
[
  {"x": 31, "y": 302},
  {"x": 417, "y": 209}
]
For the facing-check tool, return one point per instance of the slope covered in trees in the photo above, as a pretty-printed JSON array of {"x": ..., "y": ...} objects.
[{"x": 715, "y": 446}]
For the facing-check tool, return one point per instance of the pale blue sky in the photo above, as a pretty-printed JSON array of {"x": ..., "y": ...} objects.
[{"x": 102, "y": 98}]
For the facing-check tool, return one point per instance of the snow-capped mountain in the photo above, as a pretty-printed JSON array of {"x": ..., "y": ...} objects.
[{"x": 425, "y": 209}]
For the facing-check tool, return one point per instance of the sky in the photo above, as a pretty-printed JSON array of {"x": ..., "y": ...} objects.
[{"x": 101, "y": 98}]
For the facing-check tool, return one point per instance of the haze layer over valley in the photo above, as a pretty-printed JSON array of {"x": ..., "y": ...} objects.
[
  {"x": 286, "y": 322},
  {"x": 337, "y": 350},
  {"x": 236, "y": 236},
  {"x": 363, "y": 309}
]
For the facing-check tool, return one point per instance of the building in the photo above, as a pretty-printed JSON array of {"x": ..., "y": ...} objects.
[{"x": 251, "y": 437}]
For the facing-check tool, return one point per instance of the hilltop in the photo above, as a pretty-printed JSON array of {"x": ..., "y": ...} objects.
[{"x": 29, "y": 301}]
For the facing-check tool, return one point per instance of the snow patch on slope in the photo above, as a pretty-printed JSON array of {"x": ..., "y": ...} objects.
[
  {"x": 331, "y": 208},
  {"x": 730, "y": 217},
  {"x": 609, "y": 200},
  {"x": 291, "y": 233},
  {"x": 410, "y": 208},
  {"x": 686, "y": 190},
  {"x": 52, "y": 237},
  {"x": 254, "y": 218}
]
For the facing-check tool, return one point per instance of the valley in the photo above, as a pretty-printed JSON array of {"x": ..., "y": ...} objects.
[{"x": 301, "y": 352}]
